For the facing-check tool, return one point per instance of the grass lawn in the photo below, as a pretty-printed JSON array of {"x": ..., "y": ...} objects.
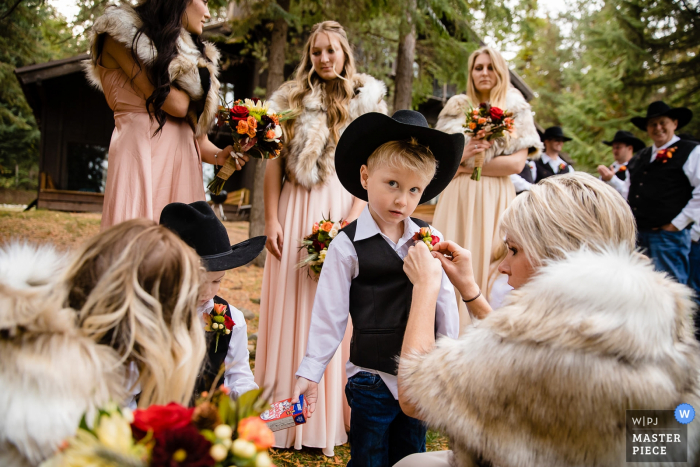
[{"x": 240, "y": 287}]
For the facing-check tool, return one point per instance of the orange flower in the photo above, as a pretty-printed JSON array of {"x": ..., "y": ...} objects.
[
  {"x": 327, "y": 226},
  {"x": 472, "y": 126},
  {"x": 252, "y": 126},
  {"x": 315, "y": 229},
  {"x": 253, "y": 429},
  {"x": 344, "y": 224},
  {"x": 242, "y": 127},
  {"x": 275, "y": 119},
  {"x": 270, "y": 134},
  {"x": 482, "y": 120}
]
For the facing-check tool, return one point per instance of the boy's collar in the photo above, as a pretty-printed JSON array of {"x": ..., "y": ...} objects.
[{"x": 367, "y": 227}]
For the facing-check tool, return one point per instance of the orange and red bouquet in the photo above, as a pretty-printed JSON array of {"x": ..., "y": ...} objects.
[
  {"x": 426, "y": 236},
  {"x": 316, "y": 244},
  {"x": 663, "y": 155},
  {"x": 486, "y": 122}
]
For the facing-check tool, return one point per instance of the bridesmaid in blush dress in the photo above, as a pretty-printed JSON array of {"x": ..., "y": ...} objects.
[{"x": 165, "y": 96}]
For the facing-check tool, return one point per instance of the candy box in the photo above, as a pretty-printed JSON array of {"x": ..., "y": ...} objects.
[{"x": 284, "y": 414}]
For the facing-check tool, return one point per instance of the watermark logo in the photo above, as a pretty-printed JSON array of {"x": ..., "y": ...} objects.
[{"x": 658, "y": 435}]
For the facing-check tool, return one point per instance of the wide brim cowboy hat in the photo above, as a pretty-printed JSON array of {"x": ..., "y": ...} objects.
[
  {"x": 628, "y": 138},
  {"x": 371, "y": 130},
  {"x": 197, "y": 225},
  {"x": 554, "y": 132},
  {"x": 661, "y": 109}
]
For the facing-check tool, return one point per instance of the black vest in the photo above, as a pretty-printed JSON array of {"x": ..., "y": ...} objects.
[
  {"x": 213, "y": 360},
  {"x": 621, "y": 174},
  {"x": 545, "y": 170},
  {"x": 659, "y": 190},
  {"x": 380, "y": 300}
]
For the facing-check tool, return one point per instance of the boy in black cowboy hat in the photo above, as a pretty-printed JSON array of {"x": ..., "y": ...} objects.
[
  {"x": 624, "y": 146},
  {"x": 550, "y": 162},
  {"x": 394, "y": 163},
  {"x": 664, "y": 189},
  {"x": 199, "y": 227}
]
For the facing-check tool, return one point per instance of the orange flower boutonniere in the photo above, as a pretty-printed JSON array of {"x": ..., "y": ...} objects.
[{"x": 664, "y": 155}]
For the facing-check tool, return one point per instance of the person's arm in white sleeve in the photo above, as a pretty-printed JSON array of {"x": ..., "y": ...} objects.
[
  {"x": 622, "y": 187},
  {"x": 571, "y": 169},
  {"x": 446, "y": 311},
  {"x": 329, "y": 316},
  {"x": 691, "y": 211},
  {"x": 238, "y": 377},
  {"x": 520, "y": 183}
]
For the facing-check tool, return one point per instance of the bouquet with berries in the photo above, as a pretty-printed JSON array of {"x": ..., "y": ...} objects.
[
  {"x": 217, "y": 322},
  {"x": 316, "y": 244},
  {"x": 426, "y": 236},
  {"x": 486, "y": 122},
  {"x": 217, "y": 432},
  {"x": 256, "y": 131}
]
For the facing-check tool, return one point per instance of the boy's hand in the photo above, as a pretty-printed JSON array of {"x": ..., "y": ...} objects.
[{"x": 310, "y": 391}]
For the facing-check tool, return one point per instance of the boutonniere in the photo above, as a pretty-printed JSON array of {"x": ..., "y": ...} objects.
[
  {"x": 622, "y": 168},
  {"x": 664, "y": 155},
  {"x": 425, "y": 235},
  {"x": 562, "y": 166},
  {"x": 216, "y": 321}
]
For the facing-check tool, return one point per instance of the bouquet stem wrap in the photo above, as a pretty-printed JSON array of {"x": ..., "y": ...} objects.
[
  {"x": 478, "y": 164},
  {"x": 222, "y": 175}
]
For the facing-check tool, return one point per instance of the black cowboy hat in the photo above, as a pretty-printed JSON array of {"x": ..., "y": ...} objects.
[
  {"x": 554, "y": 132},
  {"x": 197, "y": 225},
  {"x": 373, "y": 129},
  {"x": 662, "y": 109},
  {"x": 628, "y": 138}
]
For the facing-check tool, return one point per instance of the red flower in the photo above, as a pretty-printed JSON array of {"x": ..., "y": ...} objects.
[
  {"x": 228, "y": 322},
  {"x": 435, "y": 240},
  {"x": 182, "y": 447},
  {"x": 158, "y": 418},
  {"x": 664, "y": 155},
  {"x": 239, "y": 112},
  {"x": 496, "y": 113}
]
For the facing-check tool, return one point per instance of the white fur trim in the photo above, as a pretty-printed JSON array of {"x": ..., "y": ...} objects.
[
  {"x": 546, "y": 379},
  {"x": 452, "y": 119}
]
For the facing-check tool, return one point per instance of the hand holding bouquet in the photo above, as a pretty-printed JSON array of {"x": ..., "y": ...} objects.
[
  {"x": 486, "y": 122},
  {"x": 317, "y": 243},
  {"x": 256, "y": 131}
]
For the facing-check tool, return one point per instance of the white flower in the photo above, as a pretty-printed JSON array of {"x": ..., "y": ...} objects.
[
  {"x": 218, "y": 452},
  {"x": 228, "y": 331},
  {"x": 322, "y": 255},
  {"x": 223, "y": 431},
  {"x": 114, "y": 432},
  {"x": 263, "y": 460},
  {"x": 243, "y": 449},
  {"x": 334, "y": 230},
  {"x": 260, "y": 106},
  {"x": 278, "y": 132}
]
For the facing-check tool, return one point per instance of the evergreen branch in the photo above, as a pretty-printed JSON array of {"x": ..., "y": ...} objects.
[{"x": 9, "y": 12}]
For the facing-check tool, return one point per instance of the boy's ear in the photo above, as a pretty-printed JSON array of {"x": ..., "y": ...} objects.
[{"x": 364, "y": 175}]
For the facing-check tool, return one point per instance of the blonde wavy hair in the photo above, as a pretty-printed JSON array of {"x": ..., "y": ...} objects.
[
  {"x": 564, "y": 213},
  {"x": 500, "y": 67},
  {"x": 135, "y": 288},
  {"x": 339, "y": 92}
]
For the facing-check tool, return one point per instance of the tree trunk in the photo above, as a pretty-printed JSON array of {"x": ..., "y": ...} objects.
[
  {"x": 275, "y": 78},
  {"x": 404, "y": 61}
]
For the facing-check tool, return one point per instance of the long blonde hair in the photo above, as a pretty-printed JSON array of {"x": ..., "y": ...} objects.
[
  {"x": 500, "y": 67},
  {"x": 135, "y": 288},
  {"x": 339, "y": 92},
  {"x": 561, "y": 214}
]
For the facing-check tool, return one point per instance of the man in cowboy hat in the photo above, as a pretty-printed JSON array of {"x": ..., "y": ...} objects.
[
  {"x": 624, "y": 146},
  {"x": 550, "y": 162},
  {"x": 664, "y": 189}
]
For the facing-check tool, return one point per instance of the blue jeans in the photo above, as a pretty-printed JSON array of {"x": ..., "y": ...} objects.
[
  {"x": 670, "y": 251},
  {"x": 694, "y": 282},
  {"x": 380, "y": 433}
]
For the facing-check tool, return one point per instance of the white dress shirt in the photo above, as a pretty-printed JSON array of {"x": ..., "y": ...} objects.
[
  {"x": 331, "y": 309},
  {"x": 622, "y": 186},
  {"x": 237, "y": 377},
  {"x": 519, "y": 183},
  {"x": 691, "y": 168},
  {"x": 695, "y": 232},
  {"x": 554, "y": 163}
]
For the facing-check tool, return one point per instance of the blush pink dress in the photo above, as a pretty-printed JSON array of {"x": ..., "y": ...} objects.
[{"x": 146, "y": 172}]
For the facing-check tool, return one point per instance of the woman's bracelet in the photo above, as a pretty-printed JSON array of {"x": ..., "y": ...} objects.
[{"x": 472, "y": 299}]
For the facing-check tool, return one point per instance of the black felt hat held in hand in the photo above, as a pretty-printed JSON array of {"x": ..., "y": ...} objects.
[
  {"x": 199, "y": 227},
  {"x": 366, "y": 133}
]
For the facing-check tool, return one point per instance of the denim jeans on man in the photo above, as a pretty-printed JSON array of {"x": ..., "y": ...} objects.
[
  {"x": 694, "y": 281},
  {"x": 380, "y": 433},
  {"x": 670, "y": 251}
]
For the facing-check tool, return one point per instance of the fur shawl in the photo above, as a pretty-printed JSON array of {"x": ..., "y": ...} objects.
[
  {"x": 546, "y": 379},
  {"x": 452, "y": 119},
  {"x": 50, "y": 374},
  {"x": 309, "y": 156},
  {"x": 122, "y": 23}
]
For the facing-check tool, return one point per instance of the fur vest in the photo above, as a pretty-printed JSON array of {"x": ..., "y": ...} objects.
[
  {"x": 546, "y": 379},
  {"x": 50, "y": 374},
  {"x": 309, "y": 156},
  {"x": 122, "y": 23},
  {"x": 452, "y": 119}
]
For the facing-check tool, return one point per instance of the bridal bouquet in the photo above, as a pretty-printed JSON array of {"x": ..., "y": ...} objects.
[
  {"x": 217, "y": 432},
  {"x": 256, "y": 131},
  {"x": 317, "y": 243},
  {"x": 487, "y": 122}
]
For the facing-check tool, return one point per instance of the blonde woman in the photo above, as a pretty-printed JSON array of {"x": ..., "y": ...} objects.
[
  {"x": 133, "y": 289},
  {"x": 301, "y": 187},
  {"x": 590, "y": 331},
  {"x": 468, "y": 211}
]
